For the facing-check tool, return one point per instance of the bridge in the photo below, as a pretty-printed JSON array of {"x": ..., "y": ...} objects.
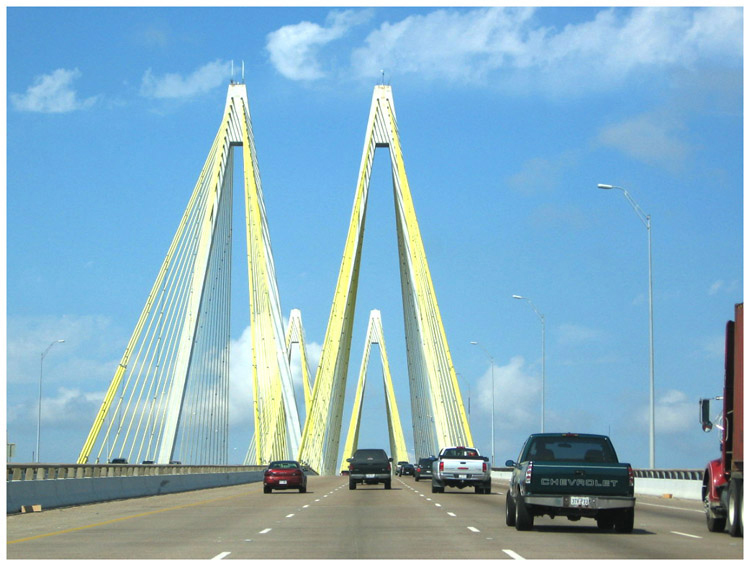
[{"x": 168, "y": 399}]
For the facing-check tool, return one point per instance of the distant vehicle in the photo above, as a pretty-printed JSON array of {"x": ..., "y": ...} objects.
[
  {"x": 284, "y": 474},
  {"x": 423, "y": 469},
  {"x": 458, "y": 466},
  {"x": 118, "y": 461},
  {"x": 175, "y": 463},
  {"x": 405, "y": 469},
  {"x": 722, "y": 480},
  {"x": 369, "y": 466},
  {"x": 147, "y": 462},
  {"x": 573, "y": 475}
]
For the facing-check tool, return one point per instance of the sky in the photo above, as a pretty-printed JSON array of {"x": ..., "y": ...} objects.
[{"x": 508, "y": 118}]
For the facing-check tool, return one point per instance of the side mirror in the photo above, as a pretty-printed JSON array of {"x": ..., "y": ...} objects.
[
  {"x": 510, "y": 463},
  {"x": 349, "y": 459},
  {"x": 705, "y": 415},
  {"x": 390, "y": 459}
]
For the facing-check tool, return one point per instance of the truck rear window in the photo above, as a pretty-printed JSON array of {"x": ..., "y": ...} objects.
[
  {"x": 571, "y": 449},
  {"x": 459, "y": 453}
]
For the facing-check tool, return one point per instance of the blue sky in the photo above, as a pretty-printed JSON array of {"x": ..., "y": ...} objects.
[{"x": 508, "y": 118}]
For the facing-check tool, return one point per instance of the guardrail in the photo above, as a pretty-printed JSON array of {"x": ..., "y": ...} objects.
[
  {"x": 29, "y": 472},
  {"x": 670, "y": 474}
]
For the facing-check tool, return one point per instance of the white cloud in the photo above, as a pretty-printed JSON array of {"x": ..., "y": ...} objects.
[
  {"x": 53, "y": 93},
  {"x": 174, "y": 85},
  {"x": 574, "y": 334},
  {"x": 517, "y": 395},
  {"x": 508, "y": 47},
  {"x": 722, "y": 286},
  {"x": 295, "y": 49},
  {"x": 652, "y": 139},
  {"x": 675, "y": 413}
]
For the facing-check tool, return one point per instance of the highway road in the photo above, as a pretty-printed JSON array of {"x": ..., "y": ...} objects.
[{"x": 330, "y": 521}]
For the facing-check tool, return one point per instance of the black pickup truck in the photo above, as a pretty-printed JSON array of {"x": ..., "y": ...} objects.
[
  {"x": 573, "y": 475},
  {"x": 369, "y": 466}
]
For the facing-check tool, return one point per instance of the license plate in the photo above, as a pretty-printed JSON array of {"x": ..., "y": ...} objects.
[
  {"x": 579, "y": 502},
  {"x": 282, "y": 482},
  {"x": 462, "y": 476},
  {"x": 369, "y": 476}
]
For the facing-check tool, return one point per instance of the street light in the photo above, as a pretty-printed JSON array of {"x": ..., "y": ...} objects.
[
  {"x": 646, "y": 219},
  {"x": 492, "y": 374},
  {"x": 544, "y": 378},
  {"x": 39, "y": 417}
]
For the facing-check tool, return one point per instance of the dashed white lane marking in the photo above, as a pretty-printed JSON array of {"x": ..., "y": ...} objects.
[
  {"x": 438, "y": 505},
  {"x": 220, "y": 556},
  {"x": 513, "y": 555},
  {"x": 684, "y": 534},
  {"x": 264, "y": 531},
  {"x": 451, "y": 514},
  {"x": 473, "y": 529},
  {"x": 305, "y": 506},
  {"x": 290, "y": 515}
]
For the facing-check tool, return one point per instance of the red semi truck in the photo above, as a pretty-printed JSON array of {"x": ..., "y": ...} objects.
[{"x": 722, "y": 480}]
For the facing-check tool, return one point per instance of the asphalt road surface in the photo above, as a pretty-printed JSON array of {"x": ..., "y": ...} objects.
[{"x": 331, "y": 521}]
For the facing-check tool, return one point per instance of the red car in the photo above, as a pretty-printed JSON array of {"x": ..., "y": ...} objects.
[{"x": 284, "y": 474}]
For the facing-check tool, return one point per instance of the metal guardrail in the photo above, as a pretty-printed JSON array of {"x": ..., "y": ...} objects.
[
  {"x": 30, "y": 472},
  {"x": 670, "y": 474}
]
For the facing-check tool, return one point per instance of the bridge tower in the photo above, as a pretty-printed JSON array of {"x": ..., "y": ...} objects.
[
  {"x": 169, "y": 396},
  {"x": 375, "y": 335},
  {"x": 438, "y": 415}
]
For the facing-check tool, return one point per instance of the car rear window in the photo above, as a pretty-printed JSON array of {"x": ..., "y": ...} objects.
[
  {"x": 571, "y": 449},
  {"x": 370, "y": 454}
]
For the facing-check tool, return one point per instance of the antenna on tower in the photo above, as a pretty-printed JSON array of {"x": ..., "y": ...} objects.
[
  {"x": 382, "y": 77},
  {"x": 231, "y": 79},
  {"x": 243, "y": 71}
]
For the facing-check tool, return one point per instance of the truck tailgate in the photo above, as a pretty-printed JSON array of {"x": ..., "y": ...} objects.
[{"x": 582, "y": 478}]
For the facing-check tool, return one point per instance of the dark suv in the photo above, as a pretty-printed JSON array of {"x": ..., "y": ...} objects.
[
  {"x": 370, "y": 466},
  {"x": 423, "y": 469}
]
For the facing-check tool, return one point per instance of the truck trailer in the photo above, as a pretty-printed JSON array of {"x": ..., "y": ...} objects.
[{"x": 722, "y": 479}]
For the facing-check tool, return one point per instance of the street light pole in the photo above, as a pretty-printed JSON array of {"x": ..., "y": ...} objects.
[
  {"x": 492, "y": 420},
  {"x": 39, "y": 415},
  {"x": 646, "y": 219},
  {"x": 544, "y": 377}
]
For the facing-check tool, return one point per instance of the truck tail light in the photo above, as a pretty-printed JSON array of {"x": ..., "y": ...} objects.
[
  {"x": 484, "y": 466},
  {"x": 529, "y": 468},
  {"x": 631, "y": 477},
  {"x": 441, "y": 465}
]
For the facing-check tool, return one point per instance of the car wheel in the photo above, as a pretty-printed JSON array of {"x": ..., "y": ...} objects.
[
  {"x": 388, "y": 484},
  {"x": 605, "y": 521},
  {"x": 524, "y": 518},
  {"x": 624, "y": 520},
  {"x": 416, "y": 477},
  {"x": 266, "y": 489},
  {"x": 303, "y": 489},
  {"x": 510, "y": 510},
  {"x": 352, "y": 484},
  {"x": 734, "y": 516}
]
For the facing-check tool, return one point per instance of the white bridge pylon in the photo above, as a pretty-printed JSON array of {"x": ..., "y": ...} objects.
[
  {"x": 169, "y": 397},
  {"x": 437, "y": 410},
  {"x": 375, "y": 335}
]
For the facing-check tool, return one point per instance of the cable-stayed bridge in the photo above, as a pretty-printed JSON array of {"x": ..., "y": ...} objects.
[{"x": 169, "y": 397}]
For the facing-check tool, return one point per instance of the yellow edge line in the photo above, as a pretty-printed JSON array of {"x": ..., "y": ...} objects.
[{"x": 121, "y": 519}]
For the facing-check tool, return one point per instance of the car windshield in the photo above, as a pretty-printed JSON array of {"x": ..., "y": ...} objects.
[
  {"x": 571, "y": 449},
  {"x": 283, "y": 465}
]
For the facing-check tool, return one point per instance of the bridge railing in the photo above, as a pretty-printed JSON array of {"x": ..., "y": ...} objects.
[
  {"x": 30, "y": 472},
  {"x": 670, "y": 474}
]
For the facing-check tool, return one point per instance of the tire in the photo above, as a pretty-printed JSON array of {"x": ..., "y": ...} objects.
[
  {"x": 388, "y": 484},
  {"x": 715, "y": 524},
  {"x": 352, "y": 484},
  {"x": 303, "y": 490},
  {"x": 416, "y": 477},
  {"x": 437, "y": 488},
  {"x": 510, "y": 510},
  {"x": 266, "y": 489},
  {"x": 605, "y": 521},
  {"x": 734, "y": 508},
  {"x": 524, "y": 518},
  {"x": 624, "y": 520}
]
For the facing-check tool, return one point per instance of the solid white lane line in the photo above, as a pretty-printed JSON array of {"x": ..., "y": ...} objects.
[
  {"x": 220, "y": 556},
  {"x": 473, "y": 529},
  {"x": 684, "y": 534},
  {"x": 264, "y": 531},
  {"x": 513, "y": 555}
]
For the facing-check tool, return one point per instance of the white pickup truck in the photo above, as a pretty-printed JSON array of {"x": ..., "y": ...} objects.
[{"x": 461, "y": 467}]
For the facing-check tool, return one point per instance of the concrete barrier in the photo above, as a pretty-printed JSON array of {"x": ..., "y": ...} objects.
[{"x": 53, "y": 493}]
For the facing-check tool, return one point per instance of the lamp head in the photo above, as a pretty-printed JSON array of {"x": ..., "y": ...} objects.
[
  {"x": 518, "y": 297},
  {"x": 603, "y": 186}
]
